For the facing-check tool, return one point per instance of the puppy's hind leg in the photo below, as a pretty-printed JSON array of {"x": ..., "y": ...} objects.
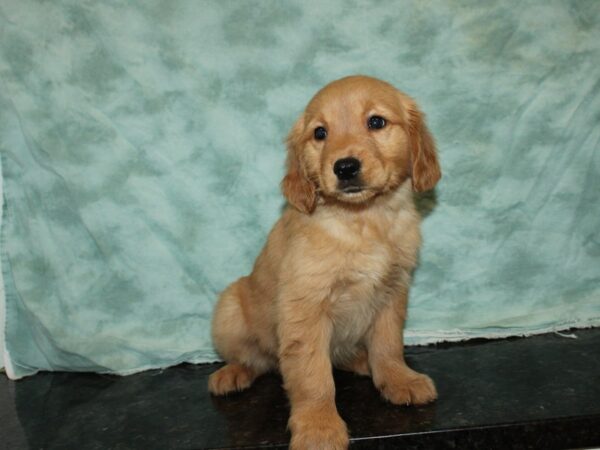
[{"x": 235, "y": 342}]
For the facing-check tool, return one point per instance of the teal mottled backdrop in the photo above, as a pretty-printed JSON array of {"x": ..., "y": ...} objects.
[{"x": 142, "y": 152}]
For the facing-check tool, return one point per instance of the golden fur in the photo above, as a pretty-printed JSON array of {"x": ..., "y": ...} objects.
[{"x": 331, "y": 285}]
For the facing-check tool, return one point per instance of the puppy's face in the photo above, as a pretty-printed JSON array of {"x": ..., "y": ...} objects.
[{"x": 358, "y": 137}]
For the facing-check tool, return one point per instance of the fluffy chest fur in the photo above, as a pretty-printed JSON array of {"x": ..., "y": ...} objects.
[
  {"x": 358, "y": 291},
  {"x": 362, "y": 259}
]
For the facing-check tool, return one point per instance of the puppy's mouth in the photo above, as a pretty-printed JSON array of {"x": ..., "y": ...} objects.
[
  {"x": 351, "y": 186},
  {"x": 351, "y": 189}
]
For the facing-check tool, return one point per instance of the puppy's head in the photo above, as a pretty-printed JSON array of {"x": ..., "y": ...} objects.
[{"x": 359, "y": 137}]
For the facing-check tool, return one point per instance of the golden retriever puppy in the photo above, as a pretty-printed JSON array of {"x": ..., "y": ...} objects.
[{"x": 330, "y": 287}]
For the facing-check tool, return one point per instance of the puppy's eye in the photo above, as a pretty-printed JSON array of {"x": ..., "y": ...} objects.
[
  {"x": 376, "y": 122},
  {"x": 320, "y": 133}
]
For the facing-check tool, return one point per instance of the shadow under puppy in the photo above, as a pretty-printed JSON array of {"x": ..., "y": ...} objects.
[{"x": 330, "y": 287}]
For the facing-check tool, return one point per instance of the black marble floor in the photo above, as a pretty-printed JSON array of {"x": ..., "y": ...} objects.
[{"x": 540, "y": 392}]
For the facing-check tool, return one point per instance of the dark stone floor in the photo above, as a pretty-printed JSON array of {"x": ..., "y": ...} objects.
[{"x": 540, "y": 392}]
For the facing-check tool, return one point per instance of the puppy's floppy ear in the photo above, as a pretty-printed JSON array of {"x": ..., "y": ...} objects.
[
  {"x": 297, "y": 188},
  {"x": 425, "y": 166}
]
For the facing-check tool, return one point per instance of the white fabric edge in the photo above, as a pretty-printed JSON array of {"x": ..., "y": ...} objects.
[
  {"x": 8, "y": 367},
  {"x": 4, "y": 359},
  {"x": 422, "y": 338},
  {"x": 417, "y": 338},
  {"x": 427, "y": 337}
]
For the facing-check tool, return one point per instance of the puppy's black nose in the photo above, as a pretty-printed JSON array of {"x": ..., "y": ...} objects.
[{"x": 346, "y": 168}]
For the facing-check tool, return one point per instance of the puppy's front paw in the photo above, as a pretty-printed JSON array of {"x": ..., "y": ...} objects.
[
  {"x": 318, "y": 431},
  {"x": 406, "y": 387}
]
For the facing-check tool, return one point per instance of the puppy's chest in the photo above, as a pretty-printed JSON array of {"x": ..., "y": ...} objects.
[
  {"x": 361, "y": 270},
  {"x": 355, "y": 288},
  {"x": 360, "y": 283},
  {"x": 357, "y": 294}
]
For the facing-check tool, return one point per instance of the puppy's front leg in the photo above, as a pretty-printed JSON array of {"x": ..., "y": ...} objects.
[
  {"x": 304, "y": 336},
  {"x": 397, "y": 382}
]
